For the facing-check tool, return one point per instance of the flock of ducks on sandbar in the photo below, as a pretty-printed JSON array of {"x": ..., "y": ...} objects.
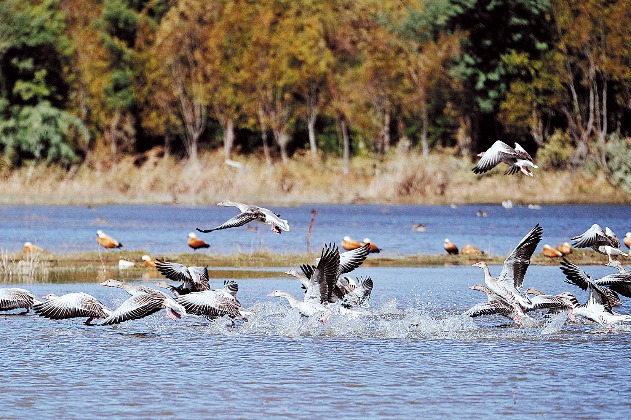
[{"x": 328, "y": 289}]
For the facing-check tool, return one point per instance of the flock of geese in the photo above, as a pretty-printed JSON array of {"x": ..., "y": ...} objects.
[
  {"x": 329, "y": 289},
  {"x": 505, "y": 295}
]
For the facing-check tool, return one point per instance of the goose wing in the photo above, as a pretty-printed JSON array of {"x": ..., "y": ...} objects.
[
  {"x": 72, "y": 305},
  {"x": 498, "y": 152},
  {"x": 517, "y": 263},
  {"x": 196, "y": 278},
  {"x": 350, "y": 260},
  {"x": 135, "y": 307},
  {"x": 200, "y": 280},
  {"x": 593, "y": 237},
  {"x": 576, "y": 276},
  {"x": 521, "y": 153},
  {"x": 210, "y": 303},
  {"x": 238, "y": 220},
  {"x": 324, "y": 276},
  {"x": 14, "y": 298},
  {"x": 489, "y": 308},
  {"x": 598, "y": 297},
  {"x": 360, "y": 294}
]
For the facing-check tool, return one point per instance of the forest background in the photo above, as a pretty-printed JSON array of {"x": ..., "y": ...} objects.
[{"x": 296, "y": 101}]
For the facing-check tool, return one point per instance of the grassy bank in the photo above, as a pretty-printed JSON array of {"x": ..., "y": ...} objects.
[
  {"x": 400, "y": 178},
  {"x": 92, "y": 267}
]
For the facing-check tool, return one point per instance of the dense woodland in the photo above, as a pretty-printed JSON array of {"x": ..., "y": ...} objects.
[{"x": 81, "y": 79}]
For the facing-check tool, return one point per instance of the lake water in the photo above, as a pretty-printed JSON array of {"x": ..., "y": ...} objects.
[
  {"x": 162, "y": 230},
  {"x": 414, "y": 355}
]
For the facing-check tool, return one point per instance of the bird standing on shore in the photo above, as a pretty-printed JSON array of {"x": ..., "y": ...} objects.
[
  {"x": 251, "y": 213},
  {"x": 29, "y": 247},
  {"x": 517, "y": 159},
  {"x": 107, "y": 241},
  {"x": 450, "y": 247}
]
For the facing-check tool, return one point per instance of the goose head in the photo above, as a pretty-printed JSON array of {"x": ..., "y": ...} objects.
[{"x": 112, "y": 283}]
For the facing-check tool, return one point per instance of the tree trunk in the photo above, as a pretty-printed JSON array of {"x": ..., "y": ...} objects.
[
  {"x": 424, "y": 128},
  {"x": 264, "y": 140},
  {"x": 312, "y": 113},
  {"x": 228, "y": 136},
  {"x": 311, "y": 120},
  {"x": 281, "y": 137},
  {"x": 347, "y": 144}
]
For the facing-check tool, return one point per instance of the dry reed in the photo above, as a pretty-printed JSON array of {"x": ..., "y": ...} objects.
[{"x": 400, "y": 177}]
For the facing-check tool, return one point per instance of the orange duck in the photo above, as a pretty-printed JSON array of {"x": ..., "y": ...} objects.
[
  {"x": 350, "y": 244},
  {"x": 373, "y": 247},
  {"x": 470, "y": 250},
  {"x": 29, "y": 247},
  {"x": 565, "y": 248},
  {"x": 148, "y": 262},
  {"x": 196, "y": 243},
  {"x": 107, "y": 241},
  {"x": 450, "y": 247},
  {"x": 548, "y": 251}
]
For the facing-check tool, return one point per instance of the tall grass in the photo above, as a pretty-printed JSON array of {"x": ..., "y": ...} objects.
[
  {"x": 22, "y": 267},
  {"x": 400, "y": 177}
]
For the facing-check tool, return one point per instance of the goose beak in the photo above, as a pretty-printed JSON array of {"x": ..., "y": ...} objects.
[{"x": 271, "y": 294}]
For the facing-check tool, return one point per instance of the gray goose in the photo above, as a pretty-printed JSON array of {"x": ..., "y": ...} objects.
[
  {"x": 516, "y": 158},
  {"x": 194, "y": 279},
  {"x": 16, "y": 298},
  {"x": 511, "y": 278},
  {"x": 72, "y": 305},
  {"x": 349, "y": 261},
  {"x": 319, "y": 288},
  {"x": 604, "y": 241},
  {"x": 612, "y": 284},
  {"x": 251, "y": 213},
  {"x": 214, "y": 303},
  {"x": 143, "y": 302},
  {"x": 597, "y": 307}
]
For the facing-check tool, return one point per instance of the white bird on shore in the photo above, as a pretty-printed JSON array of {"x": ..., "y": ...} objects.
[
  {"x": 517, "y": 159},
  {"x": 250, "y": 213}
]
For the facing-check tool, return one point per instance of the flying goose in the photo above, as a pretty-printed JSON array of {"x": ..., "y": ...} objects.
[
  {"x": 604, "y": 241},
  {"x": 144, "y": 301},
  {"x": 597, "y": 307},
  {"x": 16, "y": 298},
  {"x": 72, "y": 305},
  {"x": 517, "y": 159},
  {"x": 613, "y": 284},
  {"x": 511, "y": 278},
  {"x": 250, "y": 213},
  {"x": 212, "y": 304},
  {"x": 194, "y": 278}
]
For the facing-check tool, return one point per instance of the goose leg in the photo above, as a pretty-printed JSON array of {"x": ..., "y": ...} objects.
[
  {"x": 571, "y": 315},
  {"x": 88, "y": 321}
]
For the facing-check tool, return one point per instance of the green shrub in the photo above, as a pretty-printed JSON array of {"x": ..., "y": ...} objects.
[{"x": 556, "y": 152}]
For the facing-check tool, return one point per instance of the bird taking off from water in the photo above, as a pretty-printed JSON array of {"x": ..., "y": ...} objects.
[{"x": 517, "y": 159}]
